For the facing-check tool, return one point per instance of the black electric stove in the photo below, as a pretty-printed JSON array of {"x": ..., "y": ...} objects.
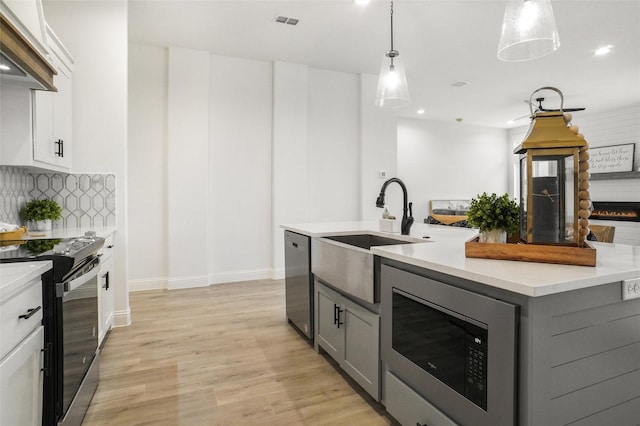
[{"x": 70, "y": 319}]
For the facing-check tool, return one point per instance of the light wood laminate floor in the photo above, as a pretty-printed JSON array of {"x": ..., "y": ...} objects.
[{"x": 221, "y": 355}]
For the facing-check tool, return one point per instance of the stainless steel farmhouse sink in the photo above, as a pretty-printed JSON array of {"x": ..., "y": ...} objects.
[
  {"x": 346, "y": 262},
  {"x": 366, "y": 241}
]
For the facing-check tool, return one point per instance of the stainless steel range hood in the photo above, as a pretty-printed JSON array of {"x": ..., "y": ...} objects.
[{"x": 26, "y": 65}]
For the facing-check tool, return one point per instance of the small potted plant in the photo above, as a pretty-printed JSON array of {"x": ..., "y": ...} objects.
[
  {"x": 40, "y": 213},
  {"x": 495, "y": 217}
]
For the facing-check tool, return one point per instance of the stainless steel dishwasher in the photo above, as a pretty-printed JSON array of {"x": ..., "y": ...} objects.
[{"x": 299, "y": 282}]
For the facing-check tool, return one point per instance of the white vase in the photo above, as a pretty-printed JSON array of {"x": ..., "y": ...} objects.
[
  {"x": 40, "y": 225},
  {"x": 493, "y": 236}
]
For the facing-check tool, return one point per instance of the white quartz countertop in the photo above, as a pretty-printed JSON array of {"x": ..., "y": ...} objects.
[
  {"x": 444, "y": 252},
  {"x": 14, "y": 276},
  {"x": 69, "y": 232}
]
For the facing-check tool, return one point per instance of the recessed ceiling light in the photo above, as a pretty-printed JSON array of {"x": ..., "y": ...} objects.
[
  {"x": 420, "y": 111},
  {"x": 3, "y": 67},
  {"x": 361, "y": 1},
  {"x": 510, "y": 122},
  {"x": 603, "y": 50}
]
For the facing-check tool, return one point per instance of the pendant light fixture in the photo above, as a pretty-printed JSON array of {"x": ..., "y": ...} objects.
[
  {"x": 393, "y": 91},
  {"x": 528, "y": 31}
]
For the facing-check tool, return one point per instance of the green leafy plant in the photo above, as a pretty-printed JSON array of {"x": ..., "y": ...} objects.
[
  {"x": 37, "y": 247},
  {"x": 41, "y": 210},
  {"x": 488, "y": 212}
]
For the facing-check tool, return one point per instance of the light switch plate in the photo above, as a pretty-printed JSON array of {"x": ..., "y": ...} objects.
[{"x": 631, "y": 289}]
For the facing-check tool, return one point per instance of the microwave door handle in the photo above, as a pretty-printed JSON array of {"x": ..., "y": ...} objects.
[{"x": 62, "y": 289}]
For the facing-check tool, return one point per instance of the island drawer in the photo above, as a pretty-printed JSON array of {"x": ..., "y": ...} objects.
[{"x": 409, "y": 408}]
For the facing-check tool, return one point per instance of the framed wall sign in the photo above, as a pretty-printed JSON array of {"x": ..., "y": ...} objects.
[{"x": 612, "y": 158}]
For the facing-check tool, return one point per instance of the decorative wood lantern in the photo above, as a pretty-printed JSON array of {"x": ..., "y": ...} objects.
[{"x": 553, "y": 180}]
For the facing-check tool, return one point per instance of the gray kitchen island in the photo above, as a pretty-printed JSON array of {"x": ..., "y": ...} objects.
[{"x": 482, "y": 342}]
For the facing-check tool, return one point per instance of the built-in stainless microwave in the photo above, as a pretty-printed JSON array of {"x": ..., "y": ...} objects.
[
  {"x": 444, "y": 343},
  {"x": 454, "y": 347}
]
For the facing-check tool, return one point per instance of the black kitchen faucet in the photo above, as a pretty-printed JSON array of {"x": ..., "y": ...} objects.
[{"x": 407, "y": 220}]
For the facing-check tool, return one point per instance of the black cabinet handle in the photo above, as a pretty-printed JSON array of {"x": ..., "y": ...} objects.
[
  {"x": 106, "y": 281},
  {"x": 30, "y": 313},
  {"x": 47, "y": 359},
  {"x": 60, "y": 147},
  {"x": 339, "y": 323},
  {"x": 335, "y": 314},
  {"x": 295, "y": 245}
]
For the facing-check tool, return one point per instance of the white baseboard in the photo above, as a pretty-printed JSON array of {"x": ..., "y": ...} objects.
[
  {"x": 162, "y": 283},
  {"x": 277, "y": 274},
  {"x": 121, "y": 318},
  {"x": 236, "y": 276},
  {"x": 147, "y": 284},
  {"x": 187, "y": 282}
]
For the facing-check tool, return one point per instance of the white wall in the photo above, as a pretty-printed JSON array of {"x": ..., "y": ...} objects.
[
  {"x": 240, "y": 169},
  {"x": 439, "y": 161},
  {"x": 290, "y": 177},
  {"x": 188, "y": 167},
  {"x": 283, "y": 145},
  {"x": 333, "y": 154},
  {"x": 96, "y": 35},
  {"x": 147, "y": 166},
  {"x": 378, "y": 152}
]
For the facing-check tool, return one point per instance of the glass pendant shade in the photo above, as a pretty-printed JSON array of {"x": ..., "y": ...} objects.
[
  {"x": 393, "y": 91},
  {"x": 528, "y": 31}
]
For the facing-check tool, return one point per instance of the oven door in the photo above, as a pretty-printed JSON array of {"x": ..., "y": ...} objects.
[{"x": 79, "y": 300}]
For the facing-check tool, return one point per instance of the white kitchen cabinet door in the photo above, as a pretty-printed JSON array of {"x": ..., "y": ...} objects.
[
  {"x": 106, "y": 299},
  {"x": 21, "y": 381},
  {"x": 52, "y": 122},
  {"x": 105, "y": 293}
]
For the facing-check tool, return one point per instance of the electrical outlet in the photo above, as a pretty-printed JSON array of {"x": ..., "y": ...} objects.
[
  {"x": 382, "y": 174},
  {"x": 631, "y": 289}
]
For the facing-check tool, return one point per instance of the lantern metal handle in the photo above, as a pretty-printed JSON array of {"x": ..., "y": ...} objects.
[{"x": 547, "y": 88}]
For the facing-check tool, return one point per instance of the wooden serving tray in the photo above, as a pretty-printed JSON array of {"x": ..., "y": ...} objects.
[
  {"x": 565, "y": 255},
  {"x": 13, "y": 235}
]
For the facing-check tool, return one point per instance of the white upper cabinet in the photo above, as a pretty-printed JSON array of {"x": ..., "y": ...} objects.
[
  {"x": 52, "y": 112},
  {"x": 36, "y": 127}
]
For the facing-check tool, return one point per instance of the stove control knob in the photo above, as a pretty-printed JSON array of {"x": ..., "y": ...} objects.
[
  {"x": 60, "y": 248},
  {"x": 90, "y": 234}
]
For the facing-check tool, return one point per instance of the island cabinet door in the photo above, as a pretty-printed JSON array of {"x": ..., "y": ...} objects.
[
  {"x": 361, "y": 347},
  {"x": 329, "y": 324},
  {"x": 350, "y": 334}
]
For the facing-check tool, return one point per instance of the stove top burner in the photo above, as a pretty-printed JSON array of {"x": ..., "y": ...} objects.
[{"x": 66, "y": 253}]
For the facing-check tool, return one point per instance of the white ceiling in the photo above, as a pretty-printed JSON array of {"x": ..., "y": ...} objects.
[{"x": 441, "y": 42}]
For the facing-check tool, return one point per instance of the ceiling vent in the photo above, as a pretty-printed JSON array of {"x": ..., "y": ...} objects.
[
  {"x": 286, "y": 20},
  {"x": 460, "y": 83}
]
